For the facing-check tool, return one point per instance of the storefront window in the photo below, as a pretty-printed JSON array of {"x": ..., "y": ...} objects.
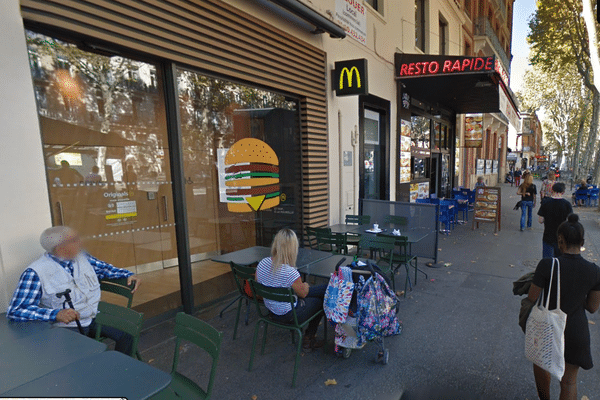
[
  {"x": 215, "y": 115},
  {"x": 104, "y": 134},
  {"x": 420, "y": 132}
]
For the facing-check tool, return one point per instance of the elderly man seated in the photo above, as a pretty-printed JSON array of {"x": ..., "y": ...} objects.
[{"x": 66, "y": 266}]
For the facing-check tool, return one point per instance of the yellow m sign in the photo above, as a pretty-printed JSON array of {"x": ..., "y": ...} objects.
[
  {"x": 350, "y": 77},
  {"x": 350, "y": 74}
]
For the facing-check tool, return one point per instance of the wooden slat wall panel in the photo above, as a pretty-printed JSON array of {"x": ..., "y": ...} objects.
[{"x": 216, "y": 37}]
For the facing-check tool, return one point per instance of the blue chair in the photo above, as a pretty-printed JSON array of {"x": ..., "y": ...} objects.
[
  {"x": 462, "y": 204},
  {"x": 582, "y": 197},
  {"x": 447, "y": 216},
  {"x": 423, "y": 201},
  {"x": 594, "y": 196}
]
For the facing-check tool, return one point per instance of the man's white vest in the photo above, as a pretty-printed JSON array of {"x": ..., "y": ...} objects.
[{"x": 84, "y": 285}]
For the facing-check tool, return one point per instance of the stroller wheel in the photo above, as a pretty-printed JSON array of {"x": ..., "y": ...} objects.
[{"x": 346, "y": 353}]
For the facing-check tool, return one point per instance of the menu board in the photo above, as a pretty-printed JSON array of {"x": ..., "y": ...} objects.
[
  {"x": 487, "y": 206},
  {"x": 405, "y": 144},
  {"x": 473, "y": 130},
  {"x": 419, "y": 191}
]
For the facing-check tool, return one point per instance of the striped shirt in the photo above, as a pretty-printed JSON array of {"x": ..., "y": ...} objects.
[
  {"x": 284, "y": 277},
  {"x": 25, "y": 302}
]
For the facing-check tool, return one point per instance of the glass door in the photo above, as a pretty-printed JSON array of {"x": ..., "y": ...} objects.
[
  {"x": 104, "y": 136},
  {"x": 372, "y": 155}
]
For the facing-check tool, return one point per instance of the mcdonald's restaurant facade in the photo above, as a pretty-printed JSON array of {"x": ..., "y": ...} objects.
[{"x": 131, "y": 122}]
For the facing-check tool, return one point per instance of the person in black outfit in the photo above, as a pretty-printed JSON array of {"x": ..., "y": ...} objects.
[
  {"x": 552, "y": 213},
  {"x": 579, "y": 291}
]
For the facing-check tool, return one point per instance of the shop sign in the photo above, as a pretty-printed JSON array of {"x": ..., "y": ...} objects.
[
  {"x": 447, "y": 66},
  {"x": 350, "y": 77},
  {"x": 502, "y": 72},
  {"x": 352, "y": 16},
  {"x": 508, "y": 110},
  {"x": 473, "y": 130}
]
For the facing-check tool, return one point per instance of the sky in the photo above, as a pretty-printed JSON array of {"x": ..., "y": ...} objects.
[{"x": 522, "y": 12}]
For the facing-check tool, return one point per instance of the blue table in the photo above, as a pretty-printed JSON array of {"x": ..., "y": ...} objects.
[
  {"x": 254, "y": 254},
  {"x": 37, "y": 354},
  {"x": 109, "y": 374},
  {"x": 12, "y": 330}
]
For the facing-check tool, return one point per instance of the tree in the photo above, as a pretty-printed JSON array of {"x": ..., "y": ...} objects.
[{"x": 558, "y": 40}]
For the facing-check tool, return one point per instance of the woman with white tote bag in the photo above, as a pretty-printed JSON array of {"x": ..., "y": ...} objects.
[{"x": 579, "y": 291}]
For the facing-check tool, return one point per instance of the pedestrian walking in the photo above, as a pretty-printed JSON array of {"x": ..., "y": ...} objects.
[
  {"x": 528, "y": 192},
  {"x": 579, "y": 291},
  {"x": 553, "y": 212},
  {"x": 517, "y": 177},
  {"x": 546, "y": 189}
]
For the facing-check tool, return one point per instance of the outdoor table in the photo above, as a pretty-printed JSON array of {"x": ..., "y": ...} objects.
[
  {"x": 325, "y": 267},
  {"x": 108, "y": 374},
  {"x": 13, "y": 330},
  {"x": 35, "y": 355},
  {"x": 247, "y": 256},
  {"x": 254, "y": 254}
]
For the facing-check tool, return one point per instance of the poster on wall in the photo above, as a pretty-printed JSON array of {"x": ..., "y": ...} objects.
[
  {"x": 495, "y": 167},
  {"x": 488, "y": 166},
  {"x": 473, "y": 130},
  {"x": 480, "y": 168},
  {"x": 405, "y": 154},
  {"x": 352, "y": 16},
  {"x": 423, "y": 190},
  {"x": 414, "y": 192}
]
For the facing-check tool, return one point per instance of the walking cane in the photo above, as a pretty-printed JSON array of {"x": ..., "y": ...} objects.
[{"x": 68, "y": 300}]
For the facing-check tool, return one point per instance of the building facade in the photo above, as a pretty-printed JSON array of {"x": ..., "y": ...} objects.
[{"x": 126, "y": 122}]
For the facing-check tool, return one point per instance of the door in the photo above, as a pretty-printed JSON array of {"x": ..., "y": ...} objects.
[
  {"x": 104, "y": 136},
  {"x": 372, "y": 155}
]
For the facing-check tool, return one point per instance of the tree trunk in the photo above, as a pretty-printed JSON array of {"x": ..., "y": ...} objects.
[
  {"x": 575, "y": 162},
  {"x": 591, "y": 142}
]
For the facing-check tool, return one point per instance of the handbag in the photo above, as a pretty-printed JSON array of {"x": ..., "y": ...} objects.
[
  {"x": 337, "y": 298},
  {"x": 518, "y": 205},
  {"x": 544, "y": 334}
]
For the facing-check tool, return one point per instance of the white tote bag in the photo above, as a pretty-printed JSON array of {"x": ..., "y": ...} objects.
[{"x": 544, "y": 334}]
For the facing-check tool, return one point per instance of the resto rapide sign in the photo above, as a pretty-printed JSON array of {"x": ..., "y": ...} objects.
[{"x": 440, "y": 65}]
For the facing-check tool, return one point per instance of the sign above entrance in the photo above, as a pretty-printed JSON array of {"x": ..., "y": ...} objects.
[
  {"x": 351, "y": 77},
  {"x": 440, "y": 65}
]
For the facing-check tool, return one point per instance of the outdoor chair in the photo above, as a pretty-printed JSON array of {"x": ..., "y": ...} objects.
[
  {"x": 381, "y": 250},
  {"x": 311, "y": 235},
  {"x": 403, "y": 257},
  {"x": 118, "y": 287},
  {"x": 594, "y": 196},
  {"x": 336, "y": 243},
  {"x": 242, "y": 275},
  {"x": 582, "y": 197},
  {"x": 447, "y": 215},
  {"x": 207, "y": 338},
  {"x": 121, "y": 318},
  {"x": 284, "y": 295},
  {"x": 423, "y": 201},
  {"x": 353, "y": 238}
]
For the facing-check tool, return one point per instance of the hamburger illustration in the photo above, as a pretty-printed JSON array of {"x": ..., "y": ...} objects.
[{"x": 251, "y": 176}]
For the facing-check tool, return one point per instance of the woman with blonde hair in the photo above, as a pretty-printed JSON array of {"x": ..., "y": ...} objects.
[
  {"x": 546, "y": 189},
  {"x": 279, "y": 271},
  {"x": 527, "y": 191}
]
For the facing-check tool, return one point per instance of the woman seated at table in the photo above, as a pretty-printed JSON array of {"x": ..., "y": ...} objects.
[
  {"x": 582, "y": 190},
  {"x": 279, "y": 271}
]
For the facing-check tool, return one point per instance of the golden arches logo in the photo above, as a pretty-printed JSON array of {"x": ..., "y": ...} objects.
[{"x": 349, "y": 74}]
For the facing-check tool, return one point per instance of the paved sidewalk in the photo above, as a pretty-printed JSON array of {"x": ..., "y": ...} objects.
[{"x": 460, "y": 340}]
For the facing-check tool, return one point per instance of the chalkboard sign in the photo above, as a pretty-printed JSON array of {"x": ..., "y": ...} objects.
[{"x": 487, "y": 206}]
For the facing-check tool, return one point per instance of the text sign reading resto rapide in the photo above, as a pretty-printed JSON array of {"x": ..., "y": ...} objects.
[{"x": 446, "y": 66}]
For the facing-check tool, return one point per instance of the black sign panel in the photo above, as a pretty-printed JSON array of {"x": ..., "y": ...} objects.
[{"x": 350, "y": 77}]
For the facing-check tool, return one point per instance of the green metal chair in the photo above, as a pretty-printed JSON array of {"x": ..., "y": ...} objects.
[
  {"x": 336, "y": 243},
  {"x": 119, "y": 287},
  {"x": 284, "y": 295},
  {"x": 381, "y": 250},
  {"x": 403, "y": 257},
  {"x": 311, "y": 235},
  {"x": 121, "y": 318},
  {"x": 242, "y": 275},
  {"x": 203, "y": 335},
  {"x": 351, "y": 219}
]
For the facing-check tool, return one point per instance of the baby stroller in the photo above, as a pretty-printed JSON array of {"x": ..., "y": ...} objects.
[{"x": 369, "y": 314}]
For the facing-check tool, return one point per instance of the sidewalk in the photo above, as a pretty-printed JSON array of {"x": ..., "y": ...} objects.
[{"x": 460, "y": 340}]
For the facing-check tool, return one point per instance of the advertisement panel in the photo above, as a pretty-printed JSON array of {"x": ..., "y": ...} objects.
[
  {"x": 352, "y": 16},
  {"x": 473, "y": 130}
]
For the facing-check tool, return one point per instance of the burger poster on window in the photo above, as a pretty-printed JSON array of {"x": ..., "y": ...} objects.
[
  {"x": 405, "y": 154},
  {"x": 248, "y": 176},
  {"x": 473, "y": 130}
]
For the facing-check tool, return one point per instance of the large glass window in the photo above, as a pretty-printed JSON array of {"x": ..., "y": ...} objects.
[
  {"x": 104, "y": 136},
  {"x": 421, "y": 128},
  {"x": 231, "y": 214},
  {"x": 420, "y": 24}
]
